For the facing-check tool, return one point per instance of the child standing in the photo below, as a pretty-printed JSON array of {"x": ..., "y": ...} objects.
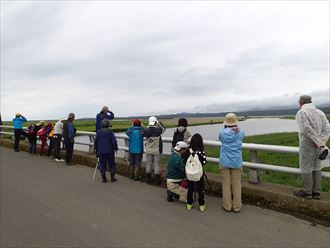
[
  {"x": 181, "y": 133},
  {"x": 32, "y": 135},
  {"x": 196, "y": 148},
  {"x": 230, "y": 163},
  {"x": 105, "y": 145},
  {"x": 135, "y": 134}
]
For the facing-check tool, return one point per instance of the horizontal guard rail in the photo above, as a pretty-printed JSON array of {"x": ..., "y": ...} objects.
[{"x": 247, "y": 146}]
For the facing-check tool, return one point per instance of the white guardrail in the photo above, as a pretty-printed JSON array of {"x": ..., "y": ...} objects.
[{"x": 253, "y": 165}]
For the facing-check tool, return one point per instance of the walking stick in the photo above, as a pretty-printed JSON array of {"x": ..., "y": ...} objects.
[
  {"x": 96, "y": 166},
  {"x": 208, "y": 182}
]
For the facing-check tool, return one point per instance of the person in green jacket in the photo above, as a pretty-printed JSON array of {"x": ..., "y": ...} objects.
[{"x": 176, "y": 173}]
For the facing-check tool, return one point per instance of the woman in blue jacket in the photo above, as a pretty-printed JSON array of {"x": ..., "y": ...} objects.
[
  {"x": 18, "y": 129},
  {"x": 135, "y": 134},
  {"x": 230, "y": 163}
]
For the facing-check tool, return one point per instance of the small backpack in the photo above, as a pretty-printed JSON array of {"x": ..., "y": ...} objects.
[
  {"x": 194, "y": 169},
  {"x": 178, "y": 136}
]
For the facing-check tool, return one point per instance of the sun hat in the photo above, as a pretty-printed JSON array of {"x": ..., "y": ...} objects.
[
  {"x": 179, "y": 145},
  {"x": 137, "y": 122},
  {"x": 41, "y": 123},
  {"x": 230, "y": 120},
  {"x": 305, "y": 99},
  {"x": 18, "y": 114},
  {"x": 152, "y": 121}
]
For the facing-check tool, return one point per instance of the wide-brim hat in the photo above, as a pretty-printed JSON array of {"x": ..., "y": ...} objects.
[{"x": 230, "y": 120}]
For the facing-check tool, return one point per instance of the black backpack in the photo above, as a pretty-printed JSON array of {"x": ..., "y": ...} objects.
[{"x": 178, "y": 136}]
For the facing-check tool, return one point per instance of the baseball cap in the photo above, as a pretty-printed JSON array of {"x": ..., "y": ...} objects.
[{"x": 179, "y": 145}]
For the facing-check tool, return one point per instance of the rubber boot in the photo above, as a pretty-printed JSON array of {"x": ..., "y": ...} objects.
[
  {"x": 148, "y": 178},
  {"x": 113, "y": 179},
  {"x": 104, "y": 178},
  {"x": 136, "y": 173},
  {"x": 131, "y": 170},
  {"x": 157, "y": 179}
]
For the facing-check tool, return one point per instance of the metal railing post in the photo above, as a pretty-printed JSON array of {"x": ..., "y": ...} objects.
[
  {"x": 254, "y": 173},
  {"x": 91, "y": 147}
]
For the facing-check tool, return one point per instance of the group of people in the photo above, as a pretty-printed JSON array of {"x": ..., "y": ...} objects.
[{"x": 185, "y": 173}]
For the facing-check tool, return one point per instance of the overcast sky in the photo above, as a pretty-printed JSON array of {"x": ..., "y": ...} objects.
[{"x": 160, "y": 57}]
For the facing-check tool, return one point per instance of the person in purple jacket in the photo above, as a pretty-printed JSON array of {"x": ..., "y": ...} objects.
[{"x": 105, "y": 146}]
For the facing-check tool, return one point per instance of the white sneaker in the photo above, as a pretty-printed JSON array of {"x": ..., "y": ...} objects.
[{"x": 59, "y": 160}]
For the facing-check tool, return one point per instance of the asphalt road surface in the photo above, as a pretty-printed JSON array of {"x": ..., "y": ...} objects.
[{"x": 47, "y": 204}]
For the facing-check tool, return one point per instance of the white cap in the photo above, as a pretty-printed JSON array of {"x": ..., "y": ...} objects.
[
  {"x": 179, "y": 145},
  {"x": 152, "y": 120}
]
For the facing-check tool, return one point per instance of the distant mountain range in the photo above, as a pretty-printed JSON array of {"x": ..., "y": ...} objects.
[{"x": 256, "y": 112}]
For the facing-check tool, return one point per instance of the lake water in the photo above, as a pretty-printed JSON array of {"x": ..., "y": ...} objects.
[{"x": 211, "y": 132}]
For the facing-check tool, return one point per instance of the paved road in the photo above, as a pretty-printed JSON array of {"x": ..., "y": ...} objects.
[{"x": 47, "y": 204}]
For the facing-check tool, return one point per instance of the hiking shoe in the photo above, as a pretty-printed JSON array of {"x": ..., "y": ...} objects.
[
  {"x": 189, "y": 206},
  {"x": 316, "y": 195},
  {"x": 202, "y": 208},
  {"x": 59, "y": 160},
  {"x": 169, "y": 196},
  {"x": 70, "y": 163},
  {"x": 324, "y": 154},
  {"x": 301, "y": 193}
]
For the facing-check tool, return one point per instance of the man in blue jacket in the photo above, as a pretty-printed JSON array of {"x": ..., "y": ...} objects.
[
  {"x": 69, "y": 131},
  {"x": 105, "y": 146},
  {"x": 18, "y": 129},
  {"x": 104, "y": 114}
]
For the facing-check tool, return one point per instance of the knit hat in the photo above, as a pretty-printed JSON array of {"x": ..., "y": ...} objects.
[
  {"x": 105, "y": 123},
  {"x": 182, "y": 122},
  {"x": 137, "y": 122},
  {"x": 230, "y": 120},
  {"x": 71, "y": 116},
  {"x": 152, "y": 121},
  {"x": 305, "y": 99},
  {"x": 179, "y": 145}
]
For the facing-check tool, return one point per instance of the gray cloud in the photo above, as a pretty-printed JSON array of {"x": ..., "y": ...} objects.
[{"x": 159, "y": 57}]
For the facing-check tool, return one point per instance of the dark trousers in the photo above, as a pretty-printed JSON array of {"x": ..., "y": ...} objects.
[
  {"x": 57, "y": 145},
  {"x": 18, "y": 132},
  {"x": 68, "y": 151},
  {"x": 33, "y": 145},
  {"x": 135, "y": 159},
  {"x": 107, "y": 159},
  {"x": 199, "y": 186},
  {"x": 50, "y": 147}
]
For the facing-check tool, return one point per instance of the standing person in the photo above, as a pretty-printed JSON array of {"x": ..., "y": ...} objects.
[
  {"x": 314, "y": 132},
  {"x": 153, "y": 148},
  {"x": 51, "y": 140},
  {"x": 105, "y": 144},
  {"x": 105, "y": 113},
  {"x": 230, "y": 163},
  {"x": 69, "y": 131},
  {"x": 135, "y": 134},
  {"x": 43, "y": 134},
  {"x": 57, "y": 139},
  {"x": 181, "y": 133},
  {"x": 196, "y": 148},
  {"x": 32, "y": 135},
  {"x": 18, "y": 129},
  {"x": 176, "y": 174}
]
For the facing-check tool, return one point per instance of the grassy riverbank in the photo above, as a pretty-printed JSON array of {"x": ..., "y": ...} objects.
[{"x": 290, "y": 160}]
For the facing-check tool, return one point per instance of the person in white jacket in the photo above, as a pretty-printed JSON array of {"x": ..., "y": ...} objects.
[{"x": 314, "y": 132}]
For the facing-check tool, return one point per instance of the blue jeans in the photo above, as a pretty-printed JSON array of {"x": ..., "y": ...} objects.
[{"x": 107, "y": 159}]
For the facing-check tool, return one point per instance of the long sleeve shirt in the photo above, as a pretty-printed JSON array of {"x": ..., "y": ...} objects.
[{"x": 313, "y": 123}]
